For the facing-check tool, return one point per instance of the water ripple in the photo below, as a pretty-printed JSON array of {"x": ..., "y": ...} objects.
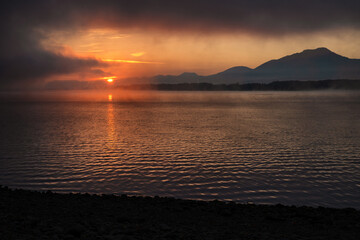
[{"x": 245, "y": 147}]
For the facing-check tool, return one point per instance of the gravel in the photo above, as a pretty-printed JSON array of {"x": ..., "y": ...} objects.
[{"x": 28, "y": 214}]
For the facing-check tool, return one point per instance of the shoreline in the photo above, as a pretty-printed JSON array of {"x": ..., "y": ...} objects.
[{"x": 27, "y": 214}]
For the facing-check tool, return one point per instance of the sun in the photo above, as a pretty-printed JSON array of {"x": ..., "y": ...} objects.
[{"x": 109, "y": 79}]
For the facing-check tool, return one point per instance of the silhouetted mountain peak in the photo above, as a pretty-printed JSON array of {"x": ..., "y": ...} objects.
[
  {"x": 315, "y": 54},
  {"x": 188, "y": 74},
  {"x": 237, "y": 69},
  {"x": 310, "y": 57},
  {"x": 317, "y": 51}
]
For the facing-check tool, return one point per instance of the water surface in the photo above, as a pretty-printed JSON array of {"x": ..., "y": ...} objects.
[{"x": 300, "y": 148}]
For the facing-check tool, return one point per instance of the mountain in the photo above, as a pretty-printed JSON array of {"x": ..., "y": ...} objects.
[
  {"x": 314, "y": 64},
  {"x": 185, "y": 77},
  {"x": 230, "y": 75}
]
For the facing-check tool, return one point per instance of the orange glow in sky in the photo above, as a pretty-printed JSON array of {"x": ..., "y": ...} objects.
[
  {"x": 138, "y": 54},
  {"x": 128, "y": 61},
  {"x": 131, "y": 54}
]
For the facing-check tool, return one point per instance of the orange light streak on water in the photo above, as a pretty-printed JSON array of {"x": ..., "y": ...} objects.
[{"x": 111, "y": 123}]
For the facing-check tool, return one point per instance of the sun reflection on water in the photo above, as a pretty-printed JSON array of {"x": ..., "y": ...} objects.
[{"x": 111, "y": 122}]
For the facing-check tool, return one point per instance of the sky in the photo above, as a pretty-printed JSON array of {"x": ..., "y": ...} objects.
[{"x": 46, "y": 40}]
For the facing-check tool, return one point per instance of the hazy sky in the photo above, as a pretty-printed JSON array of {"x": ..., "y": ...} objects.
[{"x": 44, "y": 40}]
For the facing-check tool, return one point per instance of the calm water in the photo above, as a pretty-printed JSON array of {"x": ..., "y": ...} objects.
[{"x": 262, "y": 147}]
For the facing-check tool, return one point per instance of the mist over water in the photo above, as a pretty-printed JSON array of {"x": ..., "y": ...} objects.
[{"x": 300, "y": 148}]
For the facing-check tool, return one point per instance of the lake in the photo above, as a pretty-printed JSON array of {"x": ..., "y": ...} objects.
[{"x": 293, "y": 148}]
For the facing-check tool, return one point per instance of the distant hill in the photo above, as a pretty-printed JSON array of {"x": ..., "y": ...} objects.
[
  {"x": 182, "y": 78},
  {"x": 231, "y": 75},
  {"x": 273, "y": 86},
  {"x": 315, "y": 64}
]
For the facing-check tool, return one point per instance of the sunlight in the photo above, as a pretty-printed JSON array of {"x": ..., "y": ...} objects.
[
  {"x": 110, "y": 97},
  {"x": 138, "y": 54},
  {"x": 129, "y": 61},
  {"x": 111, "y": 125},
  {"x": 110, "y": 79}
]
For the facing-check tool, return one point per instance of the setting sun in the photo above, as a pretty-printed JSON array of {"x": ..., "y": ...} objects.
[{"x": 110, "y": 80}]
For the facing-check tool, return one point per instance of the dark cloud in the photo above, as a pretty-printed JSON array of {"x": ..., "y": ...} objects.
[
  {"x": 99, "y": 72},
  {"x": 23, "y": 21},
  {"x": 23, "y": 60},
  {"x": 40, "y": 64},
  {"x": 275, "y": 16}
]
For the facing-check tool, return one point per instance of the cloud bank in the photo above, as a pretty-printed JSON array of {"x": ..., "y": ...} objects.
[{"x": 23, "y": 24}]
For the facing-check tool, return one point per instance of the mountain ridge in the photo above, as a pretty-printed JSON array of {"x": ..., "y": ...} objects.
[{"x": 310, "y": 64}]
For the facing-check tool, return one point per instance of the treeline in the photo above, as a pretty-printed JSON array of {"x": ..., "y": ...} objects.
[{"x": 273, "y": 86}]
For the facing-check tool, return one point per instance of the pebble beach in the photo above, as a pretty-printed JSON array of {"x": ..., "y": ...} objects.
[{"x": 28, "y": 214}]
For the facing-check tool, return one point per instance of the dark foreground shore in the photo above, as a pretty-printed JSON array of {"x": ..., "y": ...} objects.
[{"x": 45, "y": 215}]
